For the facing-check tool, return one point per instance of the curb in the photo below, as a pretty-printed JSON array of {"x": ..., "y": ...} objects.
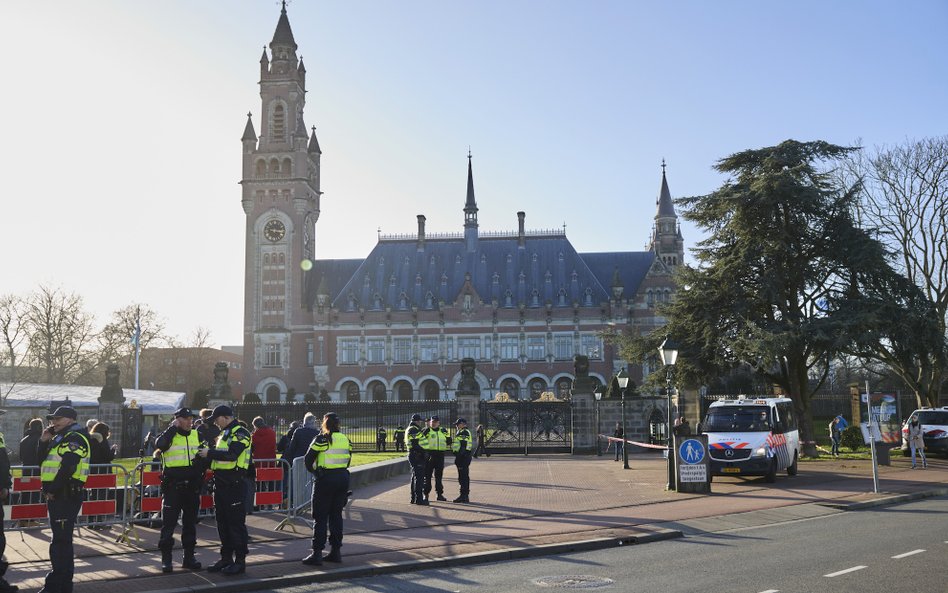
[
  {"x": 887, "y": 500},
  {"x": 355, "y": 572}
]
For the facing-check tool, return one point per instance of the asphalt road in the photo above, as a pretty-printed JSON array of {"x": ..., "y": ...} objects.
[{"x": 888, "y": 549}]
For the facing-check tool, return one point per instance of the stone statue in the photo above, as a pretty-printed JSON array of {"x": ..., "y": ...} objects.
[
  {"x": 468, "y": 384},
  {"x": 220, "y": 390},
  {"x": 582, "y": 383},
  {"x": 112, "y": 391}
]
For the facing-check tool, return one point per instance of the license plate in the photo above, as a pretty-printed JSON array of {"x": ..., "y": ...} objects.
[{"x": 731, "y": 470}]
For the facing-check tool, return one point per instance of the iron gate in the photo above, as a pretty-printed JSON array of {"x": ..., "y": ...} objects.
[{"x": 527, "y": 426}]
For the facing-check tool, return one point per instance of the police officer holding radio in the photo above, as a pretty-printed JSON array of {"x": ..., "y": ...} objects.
[
  {"x": 416, "y": 458},
  {"x": 462, "y": 458},
  {"x": 182, "y": 476},
  {"x": 230, "y": 460},
  {"x": 328, "y": 459},
  {"x": 435, "y": 440},
  {"x": 64, "y": 451}
]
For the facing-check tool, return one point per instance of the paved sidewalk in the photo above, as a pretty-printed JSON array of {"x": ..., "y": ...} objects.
[{"x": 520, "y": 503}]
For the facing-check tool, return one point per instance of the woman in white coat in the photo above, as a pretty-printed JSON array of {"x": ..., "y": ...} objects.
[{"x": 916, "y": 439}]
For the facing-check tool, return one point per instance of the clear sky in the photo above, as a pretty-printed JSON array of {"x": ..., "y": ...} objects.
[{"x": 123, "y": 122}]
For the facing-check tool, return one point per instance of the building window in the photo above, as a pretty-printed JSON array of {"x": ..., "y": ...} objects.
[
  {"x": 449, "y": 348},
  {"x": 402, "y": 350},
  {"x": 279, "y": 123},
  {"x": 310, "y": 354},
  {"x": 429, "y": 349},
  {"x": 488, "y": 348},
  {"x": 348, "y": 350},
  {"x": 536, "y": 347},
  {"x": 469, "y": 348},
  {"x": 563, "y": 347},
  {"x": 591, "y": 346},
  {"x": 375, "y": 350},
  {"x": 509, "y": 347},
  {"x": 271, "y": 355}
]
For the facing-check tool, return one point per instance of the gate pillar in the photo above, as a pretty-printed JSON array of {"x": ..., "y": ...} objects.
[{"x": 582, "y": 409}]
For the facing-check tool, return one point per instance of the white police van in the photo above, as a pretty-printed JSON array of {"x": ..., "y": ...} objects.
[{"x": 752, "y": 437}]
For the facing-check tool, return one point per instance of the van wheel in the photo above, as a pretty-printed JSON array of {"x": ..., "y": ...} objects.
[
  {"x": 792, "y": 470},
  {"x": 771, "y": 476}
]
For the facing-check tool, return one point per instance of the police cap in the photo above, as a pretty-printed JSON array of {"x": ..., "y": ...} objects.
[
  {"x": 63, "y": 412},
  {"x": 184, "y": 413},
  {"x": 221, "y": 410},
  {"x": 460, "y": 421},
  {"x": 415, "y": 417}
]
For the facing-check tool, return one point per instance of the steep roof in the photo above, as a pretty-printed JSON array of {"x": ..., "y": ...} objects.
[
  {"x": 283, "y": 35},
  {"x": 548, "y": 270},
  {"x": 249, "y": 132},
  {"x": 665, "y": 206}
]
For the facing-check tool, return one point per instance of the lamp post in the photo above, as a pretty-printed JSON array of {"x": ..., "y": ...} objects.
[
  {"x": 598, "y": 391},
  {"x": 669, "y": 353},
  {"x": 623, "y": 380}
]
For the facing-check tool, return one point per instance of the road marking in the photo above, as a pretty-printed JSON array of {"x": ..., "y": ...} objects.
[
  {"x": 912, "y": 553},
  {"x": 771, "y": 591},
  {"x": 836, "y": 574}
]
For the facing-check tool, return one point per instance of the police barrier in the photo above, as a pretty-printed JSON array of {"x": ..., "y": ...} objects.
[
  {"x": 301, "y": 488},
  {"x": 105, "y": 490}
]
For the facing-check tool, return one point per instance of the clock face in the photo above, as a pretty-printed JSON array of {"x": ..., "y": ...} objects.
[{"x": 274, "y": 230}]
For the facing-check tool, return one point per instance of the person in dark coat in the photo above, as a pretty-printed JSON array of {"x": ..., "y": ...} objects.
[
  {"x": 28, "y": 445},
  {"x": 103, "y": 452},
  {"x": 6, "y": 482},
  {"x": 302, "y": 438}
]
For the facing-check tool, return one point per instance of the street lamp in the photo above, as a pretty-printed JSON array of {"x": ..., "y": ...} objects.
[
  {"x": 623, "y": 380},
  {"x": 598, "y": 391},
  {"x": 669, "y": 353}
]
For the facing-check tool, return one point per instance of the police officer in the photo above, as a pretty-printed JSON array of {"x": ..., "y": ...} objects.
[
  {"x": 6, "y": 481},
  {"x": 435, "y": 440},
  {"x": 461, "y": 446},
  {"x": 182, "y": 476},
  {"x": 381, "y": 435},
  {"x": 230, "y": 459},
  {"x": 398, "y": 437},
  {"x": 416, "y": 459},
  {"x": 328, "y": 459},
  {"x": 64, "y": 451}
]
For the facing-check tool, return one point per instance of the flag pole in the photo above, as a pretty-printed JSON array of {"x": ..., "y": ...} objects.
[{"x": 138, "y": 339}]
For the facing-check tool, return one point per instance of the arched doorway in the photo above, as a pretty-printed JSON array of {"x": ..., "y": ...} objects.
[
  {"x": 564, "y": 387},
  {"x": 404, "y": 391},
  {"x": 537, "y": 386},
  {"x": 350, "y": 391},
  {"x": 430, "y": 390},
  {"x": 656, "y": 426},
  {"x": 272, "y": 394},
  {"x": 511, "y": 387},
  {"x": 376, "y": 390}
]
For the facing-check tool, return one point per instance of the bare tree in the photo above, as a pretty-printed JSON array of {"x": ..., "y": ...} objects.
[
  {"x": 62, "y": 339},
  {"x": 14, "y": 337},
  {"x": 905, "y": 194}
]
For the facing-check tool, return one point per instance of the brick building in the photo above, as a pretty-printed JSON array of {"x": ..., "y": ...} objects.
[{"x": 395, "y": 324}]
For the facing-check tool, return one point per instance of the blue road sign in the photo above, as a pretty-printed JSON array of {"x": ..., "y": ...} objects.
[{"x": 691, "y": 451}]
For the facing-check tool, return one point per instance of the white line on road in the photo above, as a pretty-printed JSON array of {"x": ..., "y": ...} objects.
[
  {"x": 912, "y": 553},
  {"x": 771, "y": 591},
  {"x": 836, "y": 574}
]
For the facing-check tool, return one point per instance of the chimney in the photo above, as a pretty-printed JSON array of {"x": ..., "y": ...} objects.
[
  {"x": 421, "y": 232},
  {"x": 521, "y": 235}
]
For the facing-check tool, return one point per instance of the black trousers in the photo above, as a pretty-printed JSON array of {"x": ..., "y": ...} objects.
[
  {"x": 62, "y": 519},
  {"x": 463, "y": 463},
  {"x": 329, "y": 498},
  {"x": 180, "y": 498},
  {"x": 435, "y": 466},
  {"x": 3, "y": 546},
  {"x": 417, "y": 461},
  {"x": 229, "y": 496}
]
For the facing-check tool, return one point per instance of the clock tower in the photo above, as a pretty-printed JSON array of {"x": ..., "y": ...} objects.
[{"x": 280, "y": 196}]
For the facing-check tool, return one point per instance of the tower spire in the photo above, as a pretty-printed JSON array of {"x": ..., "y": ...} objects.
[
  {"x": 666, "y": 209},
  {"x": 470, "y": 209}
]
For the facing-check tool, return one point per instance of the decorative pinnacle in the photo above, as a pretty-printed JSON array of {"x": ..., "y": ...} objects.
[{"x": 663, "y": 165}]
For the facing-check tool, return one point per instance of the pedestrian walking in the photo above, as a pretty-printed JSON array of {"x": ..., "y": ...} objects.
[
  {"x": 835, "y": 436},
  {"x": 916, "y": 439},
  {"x": 398, "y": 438},
  {"x": 230, "y": 460},
  {"x": 328, "y": 460},
  {"x": 619, "y": 433},
  {"x": 435, "y": 440},
  {"x": 416, "y": 459},
  {"x": 64, "y": 450},
  {"x": 6, "y": 482},
  {"x": 461, "y": 446},
  {"x": 182, "y": 477},
  {"x": 481, "y": 448},
  {"x": 381, "y": 435}
]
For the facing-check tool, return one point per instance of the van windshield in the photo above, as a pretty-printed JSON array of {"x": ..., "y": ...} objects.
[
  {"x": 933, "y": 417},
  {"x": 738, "y": 419}
]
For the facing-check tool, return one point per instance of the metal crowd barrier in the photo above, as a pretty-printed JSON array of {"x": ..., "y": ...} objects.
[
  {"x": 301, "y": 487},
  {"x": 104, "y": 505}
]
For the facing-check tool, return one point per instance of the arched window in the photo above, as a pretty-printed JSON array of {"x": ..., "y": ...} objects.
[
  {"x": 429, "y": 301},
  {"x": 535, "y": 298},
  {"x": 282, "y": 259},
  {"x": 508, "y": 299},
  {"x": 561, "y": 298},
  {"x": 351, "y": 306},
  {"x": 377, "y": 301},
  {"x": 274, "y": 166},
  {"x": 261, "y": 167},
  {"x": 278, "y": 131},
  {"x": 266, "y": 259},
  {"x": 588, "y": 299},
  {"x": 649, "y": 298},
  {"x": 287, "y": 166},
  {"x": 403, "y": 301}
]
